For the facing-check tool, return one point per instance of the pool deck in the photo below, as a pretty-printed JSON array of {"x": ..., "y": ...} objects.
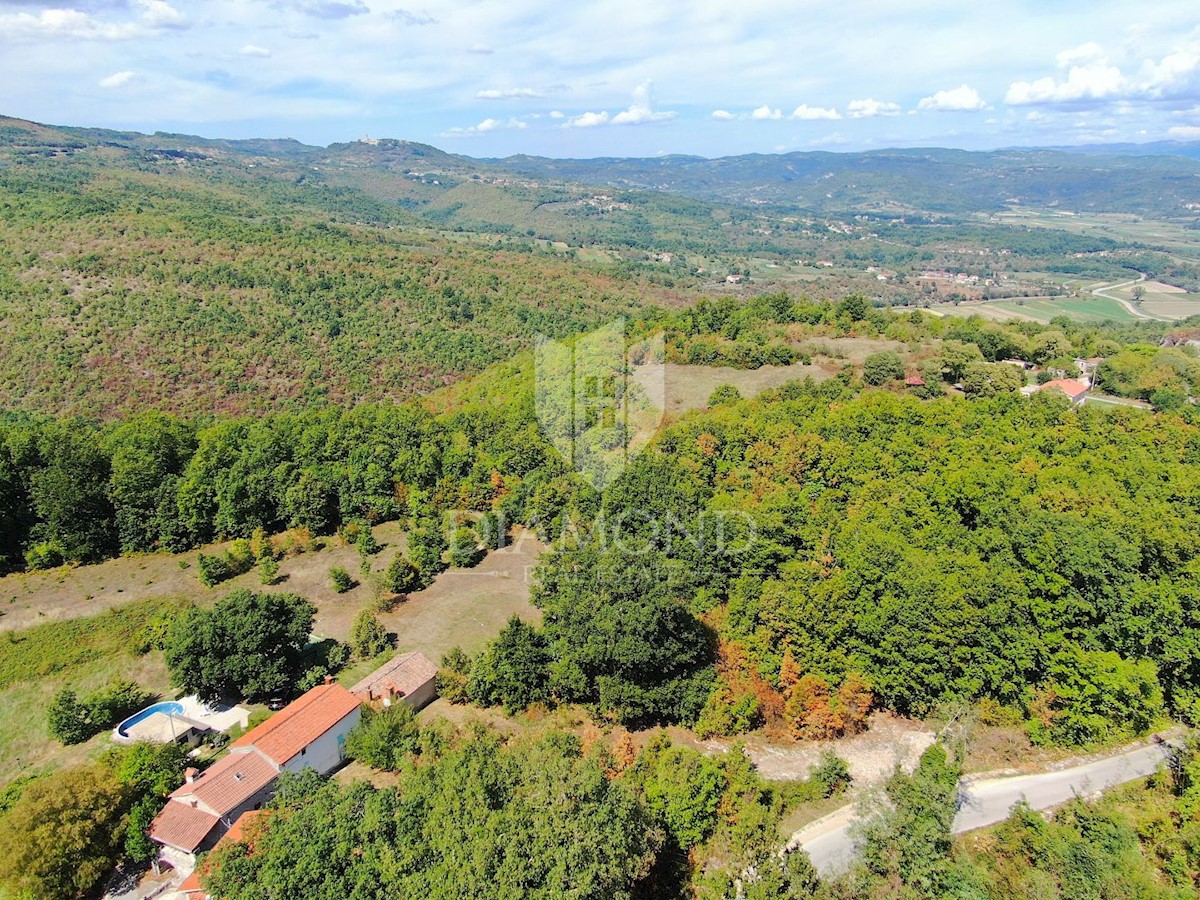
[{"x": 162, "y": 728}]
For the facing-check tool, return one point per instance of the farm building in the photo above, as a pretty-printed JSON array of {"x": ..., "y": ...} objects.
[
  {"x": 410, "y": 677},
  {"x": 1075, "y": 390},
  {"x": 308, "y": 732}
]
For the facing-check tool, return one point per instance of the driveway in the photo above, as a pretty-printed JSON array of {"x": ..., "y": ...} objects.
[{"x": 984, "y": 801}]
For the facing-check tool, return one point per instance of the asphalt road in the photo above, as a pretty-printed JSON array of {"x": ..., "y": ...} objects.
[{"x": 986, "y": 801}]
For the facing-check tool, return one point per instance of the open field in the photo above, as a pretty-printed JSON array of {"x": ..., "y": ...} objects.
[
  {"x": 466, "y": 607},
  {"x": 1168, "y": 235},
  {"x": 1166, "y": 304},
  {"x": 82, "y": 640},
  {"x": 689, "y": 387},
  {"x": 27, "y": 599},
  {"x": 1110, "y": 400},
  {"x": 81, "y": 654},
  {"x": 1086, "y": 309}
]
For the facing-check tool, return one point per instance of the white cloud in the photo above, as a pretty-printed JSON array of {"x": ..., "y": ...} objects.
[
  {"x": 406, "y": 17},
  {"x": 159, "y": 14},
  {"x": 959, "y": 99},
  {"x": 640, "y": 112},
  {"x": 72, "y": 23},
  {"x": 813, "y": 113},
  {"x": 555, "y": 114},
  {"x": 507, "y": 93},
  {"x": 496, "y": 124},
  {"x": 254, "y": 50},
  {"x": 1174, "y": 71},
  {"x": 588, "y": 120},
  {"x": 1094, "y": 81},
  {"x": 1185, "y": 132},
  {"x": 830, "y": 140},
  {"x": 642, "y": 109},
  {"x": 116, "y": 79},
  {"x": 63, "y": 23},
  {"x": 866, "y": 109},
  {"x": 765, "y": 113},
  {"x": 723, "y": 115},
  {"x": 1092, "y": 76},
  {"x": 487, "y": 125}
]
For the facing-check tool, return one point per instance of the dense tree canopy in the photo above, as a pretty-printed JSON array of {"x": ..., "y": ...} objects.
[
  {"x": 474, "y": 814},
  {"x": 66, "y": 831},
  {"x": 942, "y": 550},
  {"x": 247, "y": 645}
]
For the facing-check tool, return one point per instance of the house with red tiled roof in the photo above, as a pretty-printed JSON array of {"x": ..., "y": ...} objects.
[
  {"x": 200, "y": 810},
  {"x": 190, "y": 889},
  {"x": 409, "y": 677},
  {"x": 310, "y": 732},
  {"x": 307, "y": 733},
  {"x": 1074, "y": 389}
]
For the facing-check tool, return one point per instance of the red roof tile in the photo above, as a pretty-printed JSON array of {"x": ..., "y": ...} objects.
[
  {"x": 237, "y": 832},
  {"x": 182, "y": 826},
  {"x": 300, "y": 723},
  {"x": 1068, "y": 386},
  {"x": 406, "y": 674},
  {"x": 229, "y": 782},
  {"x": 191, "y": 884}
]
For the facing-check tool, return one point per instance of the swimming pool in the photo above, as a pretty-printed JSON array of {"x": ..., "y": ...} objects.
[{"x": 167, "y": 708}]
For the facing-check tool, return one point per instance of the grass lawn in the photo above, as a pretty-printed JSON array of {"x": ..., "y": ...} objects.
[
  {"x": 81, "y": 654},
  {"x": 1084, "y": 309},
  {"x": 75, "y": 626},
  {"x": 689, "y": 387}
]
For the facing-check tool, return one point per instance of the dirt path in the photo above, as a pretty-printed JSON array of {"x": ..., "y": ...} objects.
[{"x": 871, "y": 756}]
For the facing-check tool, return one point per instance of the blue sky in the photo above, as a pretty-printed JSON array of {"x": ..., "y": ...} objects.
[{"x": 613, "y": 77}]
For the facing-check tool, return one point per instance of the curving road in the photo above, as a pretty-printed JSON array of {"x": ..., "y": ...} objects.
[
  {"x": 1133, "y": 310},
  {"x": 985, "y": 801}
]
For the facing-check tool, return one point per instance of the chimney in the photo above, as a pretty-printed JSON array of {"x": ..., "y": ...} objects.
[
  {"x": 329, "y": 679},
  {"x": 189, "y": 774}
]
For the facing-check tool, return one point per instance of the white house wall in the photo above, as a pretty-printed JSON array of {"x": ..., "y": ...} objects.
[{"x": 327, "y": 752}]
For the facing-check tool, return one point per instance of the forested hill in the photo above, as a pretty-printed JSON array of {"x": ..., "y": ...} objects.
[
  {"x": 1157, "y": 180},
  {"x": 183, "y": 273},
  {"x": 132, "y": 278},
  {"x": 917, "y": 180}
]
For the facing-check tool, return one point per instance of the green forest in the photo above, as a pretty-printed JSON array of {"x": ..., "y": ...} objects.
[
  {"x": 123, "y": 291},
  {"x": 195, "y": 351}
]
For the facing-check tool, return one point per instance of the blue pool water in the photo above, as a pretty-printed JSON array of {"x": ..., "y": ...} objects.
[{"x": 169, "y": 707}]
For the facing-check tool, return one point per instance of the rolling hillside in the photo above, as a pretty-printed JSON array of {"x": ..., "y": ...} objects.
[{"x": 132, "y": 278}]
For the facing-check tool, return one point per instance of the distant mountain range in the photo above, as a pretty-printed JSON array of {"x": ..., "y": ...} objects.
[
  {"x": 1190, "y": 149},
  {"x": 1160, "y": 179}
]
